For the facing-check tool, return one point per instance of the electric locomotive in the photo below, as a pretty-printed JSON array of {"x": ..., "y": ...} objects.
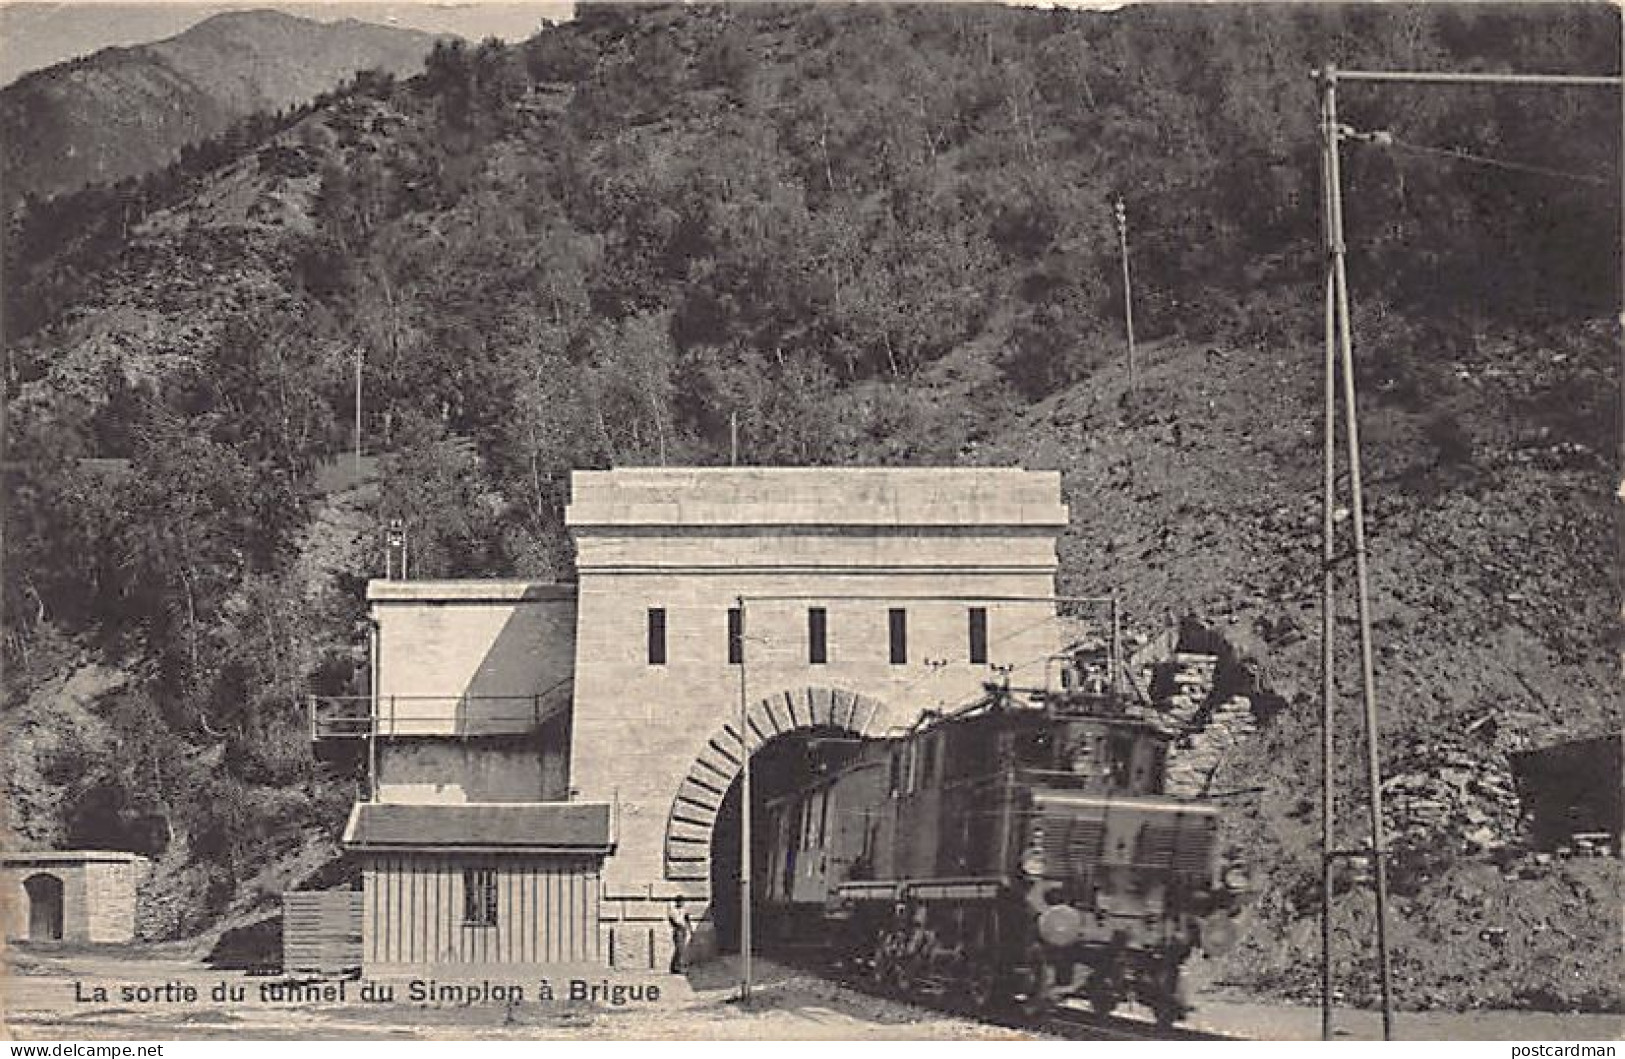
[{"x": 1021, "y": 850}]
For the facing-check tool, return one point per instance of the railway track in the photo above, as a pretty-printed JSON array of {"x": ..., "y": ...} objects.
[{"x": 1067, "y": 1022}]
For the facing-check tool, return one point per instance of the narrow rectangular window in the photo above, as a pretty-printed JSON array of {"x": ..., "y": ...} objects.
[
  {"x": 479, "y": 897},
  {"x": 817, "y": 636},
  {"x": 978, "y": 636},
  {"x": 736, "y": 636},
  {"x": 657, "y": 636},
  {"x": 897, "y": 620}
]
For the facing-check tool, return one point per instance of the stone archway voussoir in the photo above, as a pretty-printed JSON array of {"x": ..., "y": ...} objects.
[
  {"x": 842, "y": 706},
  {"x": 819, "y": 706}
]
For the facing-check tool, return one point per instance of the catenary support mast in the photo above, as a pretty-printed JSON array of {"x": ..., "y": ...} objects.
[{"x": 1339, "y": 359}]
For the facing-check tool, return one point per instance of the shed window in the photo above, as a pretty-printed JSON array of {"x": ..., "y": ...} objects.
[
  {"x": 479, "y": 897},
  {"x": 978, "y": 636},
  {"x": 817, "y": 636},
  {"x": 897, "y": 627},
  {"x": 736, "y": 636},
  {"x": 657, "y": 636}
]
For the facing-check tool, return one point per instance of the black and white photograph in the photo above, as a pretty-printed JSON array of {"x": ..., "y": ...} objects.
[{"x": 755, "y": 521}]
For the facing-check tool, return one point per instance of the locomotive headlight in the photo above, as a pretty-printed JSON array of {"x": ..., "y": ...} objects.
[
  {"x": 1060, "y": 925},
  {"x": 1032, "y": 863},
  {"x": 1235, "y": 879}
]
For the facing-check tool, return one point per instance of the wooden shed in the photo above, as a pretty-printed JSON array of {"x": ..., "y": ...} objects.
[
  {"x": 469, "y": 889},
  {"x": 321, "y": 932}
]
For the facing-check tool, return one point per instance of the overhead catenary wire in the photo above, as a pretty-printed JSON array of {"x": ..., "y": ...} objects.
[{"x": 1457, "y": 154}]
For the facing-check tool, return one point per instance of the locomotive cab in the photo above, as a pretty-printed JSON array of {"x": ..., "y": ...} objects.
[{"x": 1086, "y": 753}]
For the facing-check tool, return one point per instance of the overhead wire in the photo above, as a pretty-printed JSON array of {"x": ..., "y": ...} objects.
[{"x": 1457, "y": 154}]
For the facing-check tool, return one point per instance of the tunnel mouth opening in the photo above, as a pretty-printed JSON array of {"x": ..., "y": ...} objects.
[{"x": 783, "y": 764}]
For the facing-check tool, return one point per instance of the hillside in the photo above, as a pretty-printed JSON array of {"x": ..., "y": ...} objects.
[
  {"x": 877, "y": 235},
  {"x": 124, "y": 112}
]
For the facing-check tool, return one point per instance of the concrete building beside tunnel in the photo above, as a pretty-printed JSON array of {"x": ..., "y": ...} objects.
[{"x": 552, "y": 765}]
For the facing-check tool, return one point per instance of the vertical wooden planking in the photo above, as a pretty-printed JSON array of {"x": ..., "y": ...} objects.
[
  {"x": 431, "y": 898},
  {"x": 386, "y": 910},
  {"x": 392, "y": 912},
  {"x": 459, "y": 933},
  {"x": 549, "y": 910},
  {"x": 510, "y": 919},
  {"x": 369, "y": 906},
  {"x": 560, "y": 926},
  {"x": 522, "y": 921},
  {"x": 567, "y": 932},
  {"x": 597, "y": 903},
  {"x": 584, "y": 923},
  {"x": 532, "y": 948}
]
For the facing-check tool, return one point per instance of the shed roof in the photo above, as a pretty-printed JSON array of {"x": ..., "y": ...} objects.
[
  {"x": 491, "y": 590},
  {"x": 518, "y": 827},
  {"x": 17, "y": 858}
]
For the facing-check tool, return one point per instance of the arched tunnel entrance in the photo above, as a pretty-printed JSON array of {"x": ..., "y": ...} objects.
[{"x": 785, "y": 763}]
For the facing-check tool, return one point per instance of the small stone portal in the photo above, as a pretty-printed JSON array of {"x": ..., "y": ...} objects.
[{"x": 71, "y": 895}]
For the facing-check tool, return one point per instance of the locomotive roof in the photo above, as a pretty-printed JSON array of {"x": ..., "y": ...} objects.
[{"x": 1032, "y": 702}]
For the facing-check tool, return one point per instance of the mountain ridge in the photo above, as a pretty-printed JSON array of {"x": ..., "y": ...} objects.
[{"x": 126, "y": 111}]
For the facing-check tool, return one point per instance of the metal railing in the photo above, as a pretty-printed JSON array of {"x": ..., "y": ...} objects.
[{"x": 360, "y": 717}]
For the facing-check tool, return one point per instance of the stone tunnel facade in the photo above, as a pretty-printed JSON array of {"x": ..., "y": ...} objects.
[{"x": 820, "y": 597}]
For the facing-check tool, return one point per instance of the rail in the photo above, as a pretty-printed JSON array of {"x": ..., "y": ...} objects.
[{"x": 391, "y": 716}]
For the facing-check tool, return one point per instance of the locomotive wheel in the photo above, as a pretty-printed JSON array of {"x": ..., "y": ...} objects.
[
  {"x": 984, "y": 989},
  {"x": 1035, "y": 984},
  {"x": 882, "y": 969},
  {"x": 1167, "y": 1011},
  {"x": 1168, "y": 1005},
  {"x": 904, "y": 977}
]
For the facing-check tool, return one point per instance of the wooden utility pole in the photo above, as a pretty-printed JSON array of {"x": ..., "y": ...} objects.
[
  {"x": 360, "y": 354},
  {"x": 745, "y": 983},
  {"x": 1120, "y": 212},
  {"x": 1339, "y": 361}
]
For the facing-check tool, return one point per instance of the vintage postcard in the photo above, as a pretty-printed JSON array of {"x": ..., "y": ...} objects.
[{"x": 814, "y": 521}]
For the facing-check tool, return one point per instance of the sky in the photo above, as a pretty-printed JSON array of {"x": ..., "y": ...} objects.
[{"x": 35, "y": 34}]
